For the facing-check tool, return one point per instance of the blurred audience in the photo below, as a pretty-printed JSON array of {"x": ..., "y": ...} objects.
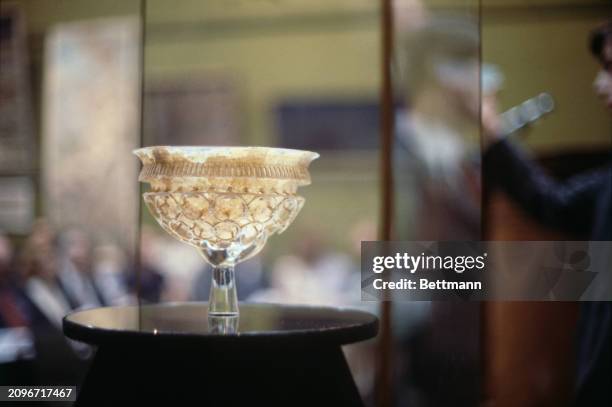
[
  {"x": 34, "y": 302},
  {"x": 48, "y": 277}
]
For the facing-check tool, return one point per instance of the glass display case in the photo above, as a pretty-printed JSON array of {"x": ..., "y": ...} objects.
[{"x": 396, "y": 98}]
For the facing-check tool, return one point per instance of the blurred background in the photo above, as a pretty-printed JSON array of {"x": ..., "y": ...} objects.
[{"x": 78, "y": 78}]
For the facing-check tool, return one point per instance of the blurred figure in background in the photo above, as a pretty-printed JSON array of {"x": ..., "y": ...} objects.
[
  {"x": 582, "y": 207},
  {"x": 76, "y": 274},
  {"x": 437, "y": 144},
  {"x": 438, "y": 197},
  {"x": 39, "y": 270}
]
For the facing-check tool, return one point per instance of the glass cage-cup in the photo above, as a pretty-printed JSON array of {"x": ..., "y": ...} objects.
[{"x": 224, "y": 201}]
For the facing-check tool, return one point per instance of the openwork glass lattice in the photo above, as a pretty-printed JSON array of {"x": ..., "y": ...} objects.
[{"x": 224, "y": 201}]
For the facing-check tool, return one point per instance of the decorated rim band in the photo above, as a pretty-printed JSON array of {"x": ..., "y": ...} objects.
[{"x": 190, "y": 169}]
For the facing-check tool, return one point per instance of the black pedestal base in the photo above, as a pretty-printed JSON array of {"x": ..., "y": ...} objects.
[
  {"x": 174, "y": 355},
  {"x": 219, "y": 376}
]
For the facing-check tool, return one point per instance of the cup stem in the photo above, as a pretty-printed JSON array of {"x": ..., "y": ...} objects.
[
  {"x": 223, "y": 300},
  {"x": 223, "y": 325}
]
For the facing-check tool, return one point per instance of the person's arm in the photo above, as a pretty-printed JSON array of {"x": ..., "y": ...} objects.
[{"x": 569, "y": 206}]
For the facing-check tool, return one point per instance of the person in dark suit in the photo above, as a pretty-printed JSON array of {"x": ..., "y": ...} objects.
[{"x": 581, "y": 206}]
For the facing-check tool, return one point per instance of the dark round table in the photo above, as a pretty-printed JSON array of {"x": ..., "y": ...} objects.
[{"x": 174, "y": 354}]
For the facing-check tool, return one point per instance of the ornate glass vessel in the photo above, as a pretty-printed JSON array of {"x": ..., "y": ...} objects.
[{"x": 224, "y": 201}]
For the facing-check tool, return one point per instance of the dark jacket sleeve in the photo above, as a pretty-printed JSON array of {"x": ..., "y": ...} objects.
[{"x": 569, "y": 206}]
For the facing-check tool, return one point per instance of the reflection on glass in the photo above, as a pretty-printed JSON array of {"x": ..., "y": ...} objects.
[
  {"x": 225, "y": 201},
  {"x": 437, "y": 147},
  {"x": 442, "y": 81}
]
